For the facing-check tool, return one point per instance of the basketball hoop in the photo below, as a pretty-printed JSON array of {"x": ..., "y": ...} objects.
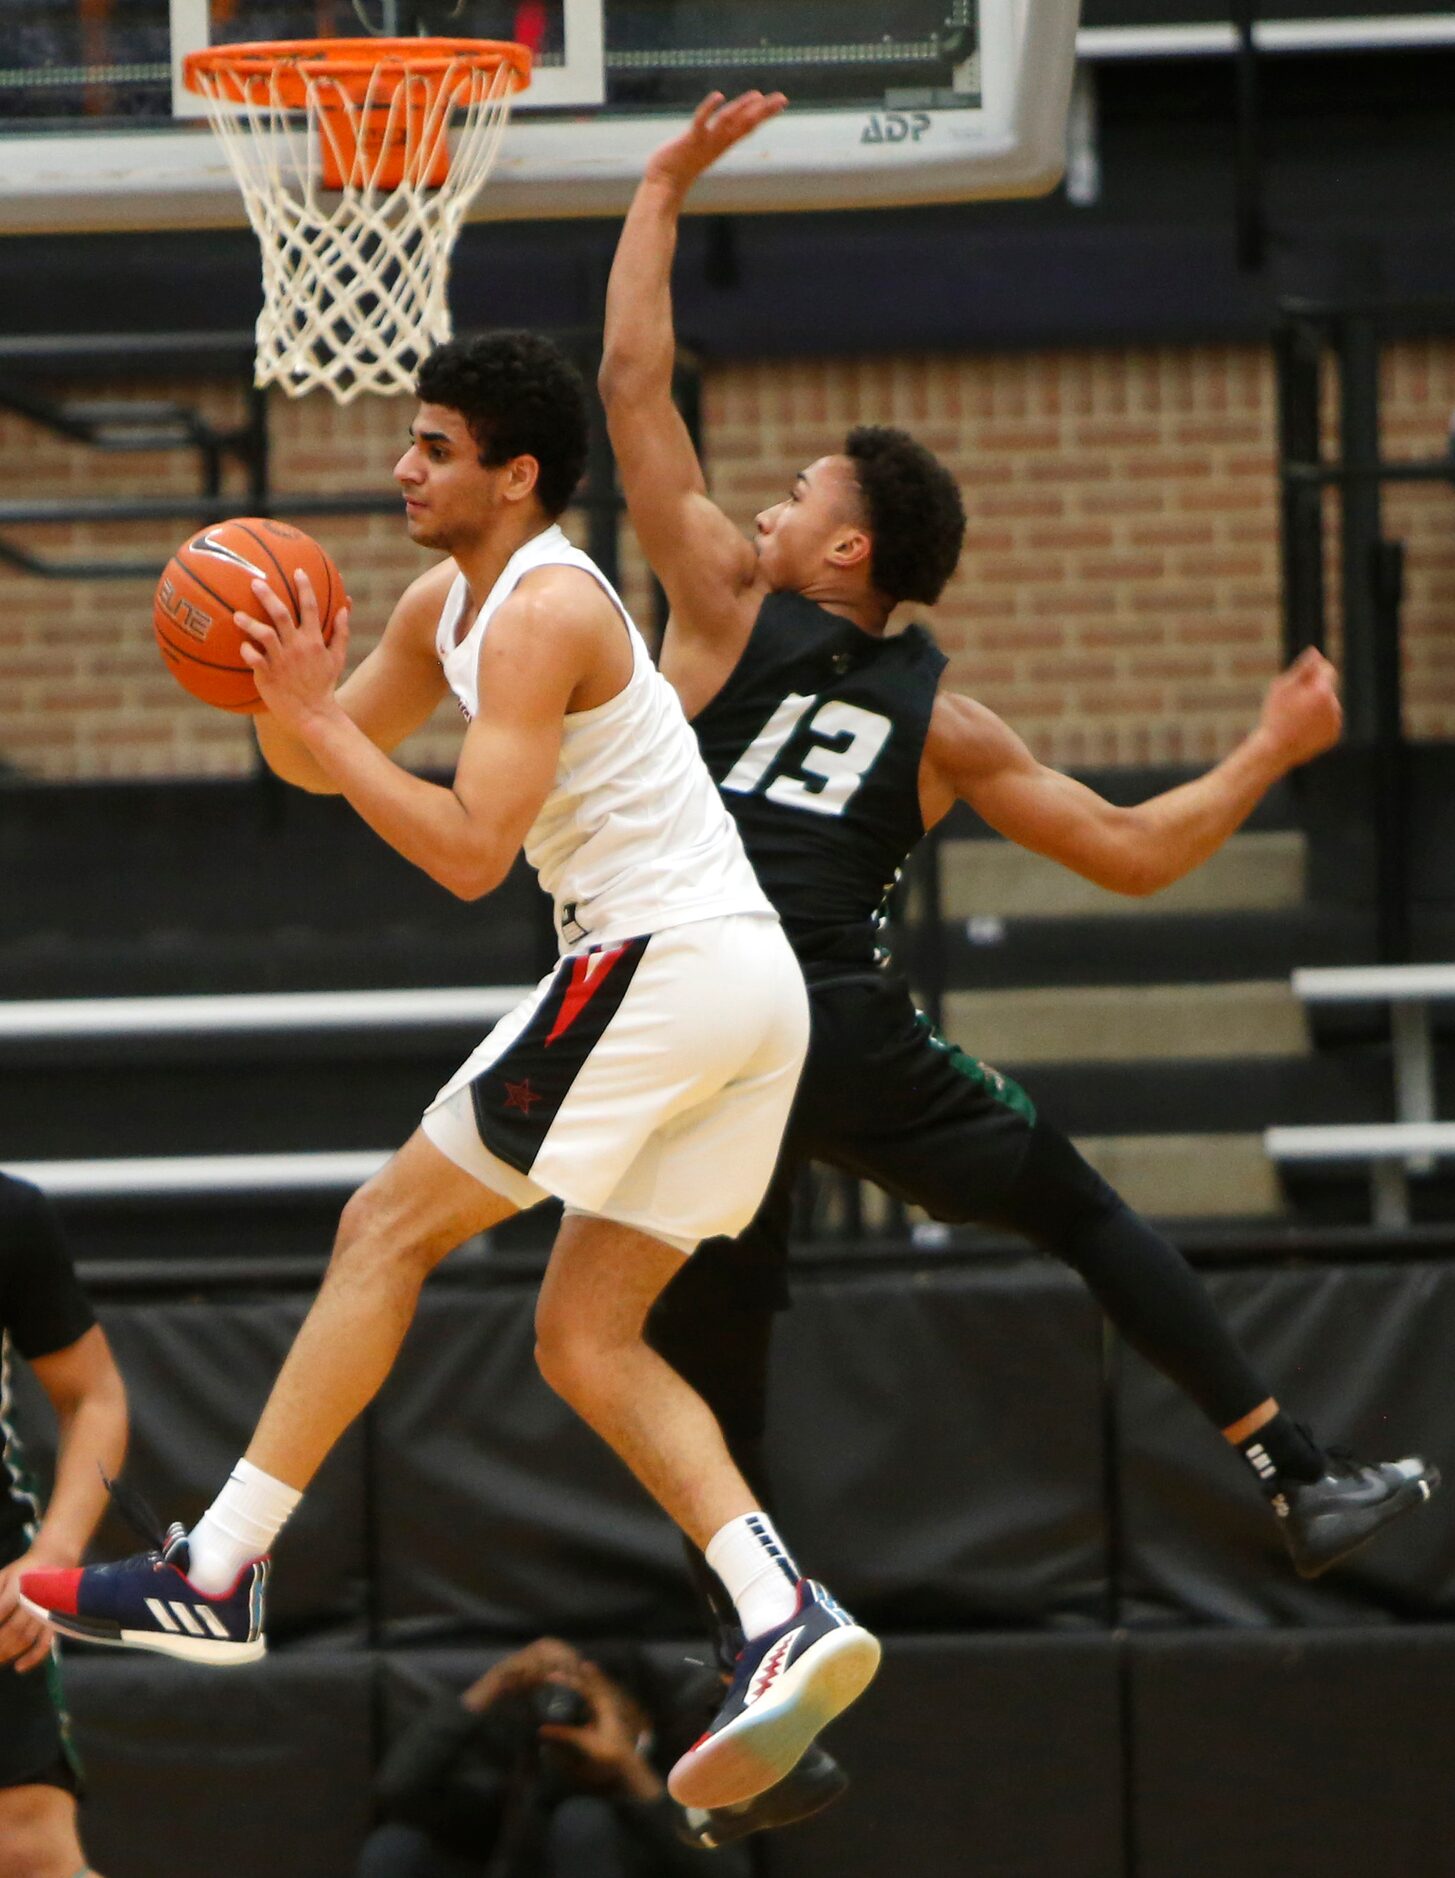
[{"x": 341, "y": 148}]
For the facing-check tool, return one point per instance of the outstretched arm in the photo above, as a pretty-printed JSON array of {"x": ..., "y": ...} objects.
[
  {"x": 701, "y": 559},
  {"x": 971, "y": 755}
]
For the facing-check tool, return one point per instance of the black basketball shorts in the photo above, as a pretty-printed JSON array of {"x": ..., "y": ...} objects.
[
  {"x": 885, "y": 1097},
  {"x": 35, "y": 1745}
]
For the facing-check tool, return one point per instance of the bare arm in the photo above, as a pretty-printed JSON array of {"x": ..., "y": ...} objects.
[
  {"x": 971, "y": 755},
  {"x": 546, "y": 645},
  {"x": 392, "y": 693},
  {"x": 86, "y": 1392},
  {"x": 703, "y": 561}
]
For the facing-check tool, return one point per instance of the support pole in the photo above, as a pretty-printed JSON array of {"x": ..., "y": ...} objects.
[
  {"x": 1252, "y": 232},
  {"x": 1297, "y": 357}
]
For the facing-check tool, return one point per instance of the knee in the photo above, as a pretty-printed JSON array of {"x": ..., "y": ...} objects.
[
  {"x": 368, "y": 1241},
  {"x": 360, "y": 1224},
  {"x": 38, "y": 1834},
  {"x": 1057, "y": 1199},
  {"x": 576, "y": 1355},
  {"x": 395, "y": 1850},
  {"x": 565, "y": 1355},
  {"x": 583, "y": 1833}
]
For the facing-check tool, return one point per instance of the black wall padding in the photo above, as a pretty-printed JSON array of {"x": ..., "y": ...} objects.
[
  {"x": 993, "y": 1755},
  {"x": 1315, "y": 1755},
  {"x": 263, "y": 1772},
  {"x": 496, "y": 1507},
  {"x": 197, "y": 1376},
  {"x": 988, "y": 1757},
  {"x": 937, "y": 1446},
  {"x": 1362, "y": 1353},
  {"x": 937, "y": 1443}
]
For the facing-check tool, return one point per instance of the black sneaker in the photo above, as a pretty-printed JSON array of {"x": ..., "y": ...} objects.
[
  {"x": 814, "y": 1784},
  {"x": 1324, "y": 1520},
  {"x": 787, "y": 1686}
]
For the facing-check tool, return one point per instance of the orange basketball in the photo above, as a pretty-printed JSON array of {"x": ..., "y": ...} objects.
[{"x": 209, "y": 578}]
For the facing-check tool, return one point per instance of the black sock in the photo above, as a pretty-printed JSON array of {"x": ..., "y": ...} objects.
[{"x": 1282, "y": 1454}]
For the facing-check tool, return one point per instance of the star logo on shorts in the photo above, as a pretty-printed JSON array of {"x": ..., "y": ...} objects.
[{"x": 520, "y": 1095}]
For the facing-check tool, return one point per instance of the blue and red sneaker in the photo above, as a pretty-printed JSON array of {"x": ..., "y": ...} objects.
[
  {"x": 147, "y": 1602},
  {"x": 787, "y": 1685}
]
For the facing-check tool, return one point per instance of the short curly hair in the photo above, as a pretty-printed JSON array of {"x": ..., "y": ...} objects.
[
  {"x": 520, "y": 396},
  {"x": 914, "y": 513}
]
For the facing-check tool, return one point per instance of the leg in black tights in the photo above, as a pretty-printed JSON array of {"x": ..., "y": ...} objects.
[{"x": 1143, "y": 1283}]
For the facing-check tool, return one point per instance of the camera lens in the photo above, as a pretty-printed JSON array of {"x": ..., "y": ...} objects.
[{"x": 561, "y": 1706}]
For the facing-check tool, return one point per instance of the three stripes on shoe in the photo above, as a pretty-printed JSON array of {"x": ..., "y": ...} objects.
[{"x": 175, "y": 1615}]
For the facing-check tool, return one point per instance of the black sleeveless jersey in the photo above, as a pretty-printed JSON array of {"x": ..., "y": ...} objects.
[{"x": 815, "y": 742}]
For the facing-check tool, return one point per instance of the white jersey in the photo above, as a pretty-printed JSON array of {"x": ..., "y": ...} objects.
[{"x": 633, "y": 837}]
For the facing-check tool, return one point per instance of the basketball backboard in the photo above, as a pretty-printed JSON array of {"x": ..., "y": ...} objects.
[{"x": 905, "y": 101}]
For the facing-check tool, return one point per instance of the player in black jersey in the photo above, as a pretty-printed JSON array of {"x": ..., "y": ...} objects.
[
  {"x": 44, "y": 1317},
  {"x": 836, "y": 746}
]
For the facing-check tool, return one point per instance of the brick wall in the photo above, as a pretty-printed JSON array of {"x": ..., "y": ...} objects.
[{"x": 1119, "y": 602}]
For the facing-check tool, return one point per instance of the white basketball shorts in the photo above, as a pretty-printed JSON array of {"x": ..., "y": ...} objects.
[{"x": 647, "y": 1082}]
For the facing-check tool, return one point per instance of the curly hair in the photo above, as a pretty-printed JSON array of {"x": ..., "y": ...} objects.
[
  {"x": 914, "y": 512},
  {"x": 520, "y": 396}
]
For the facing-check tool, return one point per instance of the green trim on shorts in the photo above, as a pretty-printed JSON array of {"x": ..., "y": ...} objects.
[
  {"x": 58, "y": 1703},
  {"x": 992, "y": 1081}
]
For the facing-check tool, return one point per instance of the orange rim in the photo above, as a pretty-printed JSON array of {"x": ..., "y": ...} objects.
[{"x": 352, "y": 65}]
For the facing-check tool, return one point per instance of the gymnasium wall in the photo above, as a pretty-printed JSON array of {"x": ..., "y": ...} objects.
[{"x": 1118, "y": 603}]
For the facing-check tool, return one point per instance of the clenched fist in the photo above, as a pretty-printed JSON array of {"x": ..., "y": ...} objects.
[{"x": 1301, "y": 712}]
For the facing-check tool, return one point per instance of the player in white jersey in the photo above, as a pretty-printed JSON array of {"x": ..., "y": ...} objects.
[{"x": 646, "y": 1081}]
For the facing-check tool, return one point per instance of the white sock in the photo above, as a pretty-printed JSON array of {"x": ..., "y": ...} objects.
[
  {"x": 757, "y": 1572},
  {"x": 239, "y": 1526}
]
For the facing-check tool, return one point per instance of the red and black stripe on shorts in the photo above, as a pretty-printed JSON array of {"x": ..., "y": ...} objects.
[{"x": 520, "y": 1094}]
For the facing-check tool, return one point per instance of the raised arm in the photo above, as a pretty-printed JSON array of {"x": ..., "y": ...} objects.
[
  {"x": 971, "y": 755},
  {"x": 705, "y": 564},
  {"x": 392, "y": 692}
]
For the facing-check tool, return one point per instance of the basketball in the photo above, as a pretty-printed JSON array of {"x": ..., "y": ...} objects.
[{"x": 209, "y": 578}]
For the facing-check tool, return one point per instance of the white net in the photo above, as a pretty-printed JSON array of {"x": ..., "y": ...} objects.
[{"x": 355, "y": 278}]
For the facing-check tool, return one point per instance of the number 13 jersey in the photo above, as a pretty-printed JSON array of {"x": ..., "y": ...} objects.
[{"x": 815, "y": 742}]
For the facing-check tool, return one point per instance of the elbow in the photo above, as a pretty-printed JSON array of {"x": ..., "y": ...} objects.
[
  {"x": 624, "y": 377},
  {"x": 1133, "y": 875},
  {"x": 1136, "y": 863},
  {"x": 616, "y": 362},
  {"x": 472, "y": 876},
  {"x": 464, "y": 883},
  {"x": 1138, "y": 880}
]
